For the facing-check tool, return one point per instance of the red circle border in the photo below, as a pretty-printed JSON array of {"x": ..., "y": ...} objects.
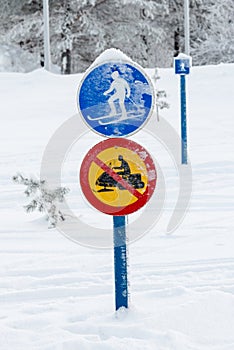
[{"x": 84, "y": 172}]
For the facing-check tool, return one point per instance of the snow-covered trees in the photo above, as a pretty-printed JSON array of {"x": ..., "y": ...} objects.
[
  {"x": 66, "y": 40},
  {"x": 213, "y": 36},
  {"x": 42, "y": 199},
  {"x": 149, "y": 31},
  {"x": 211, "y": 29}
]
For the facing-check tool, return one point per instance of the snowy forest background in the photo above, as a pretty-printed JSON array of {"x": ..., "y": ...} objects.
[{"x": 149, "y": 31}]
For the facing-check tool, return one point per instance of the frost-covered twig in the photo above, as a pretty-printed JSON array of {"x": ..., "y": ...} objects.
[
  {"x": 161, "y": 95},
  {"x": 43, "y": 199}
]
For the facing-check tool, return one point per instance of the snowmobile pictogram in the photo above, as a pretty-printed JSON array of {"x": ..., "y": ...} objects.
[{"x": 107, "y": 180}]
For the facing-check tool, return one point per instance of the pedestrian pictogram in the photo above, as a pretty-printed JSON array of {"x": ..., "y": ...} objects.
[
  {"x": 115, "y": 99},
  {"x": 118, "y": 176},
  {"x": 182, "y": 64}
]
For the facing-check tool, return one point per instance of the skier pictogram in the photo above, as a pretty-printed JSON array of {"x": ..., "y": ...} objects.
[
  {"x": 121, "y": 91},
  {"x": 115, "y": 98}
]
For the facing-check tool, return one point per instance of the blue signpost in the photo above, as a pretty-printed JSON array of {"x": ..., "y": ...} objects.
[
  {"x": 182, "y": 67},
  {"x": 184, "y": 157},
  {"x": 115, "y": 99},
  {"x": 120, "y": 262}
]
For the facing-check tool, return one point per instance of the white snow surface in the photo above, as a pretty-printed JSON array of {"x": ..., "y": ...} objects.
[{"x": 58, "y": 295}]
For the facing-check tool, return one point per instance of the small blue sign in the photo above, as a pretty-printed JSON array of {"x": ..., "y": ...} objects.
[
  {"x": 115, "y": 98},
  {"x": 182, "y": 66}
]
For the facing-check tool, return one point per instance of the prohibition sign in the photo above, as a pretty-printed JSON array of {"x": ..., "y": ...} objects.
[{"x": 118, "y": 176}]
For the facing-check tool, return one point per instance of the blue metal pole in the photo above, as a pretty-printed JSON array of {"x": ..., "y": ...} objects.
[
  {"x": 120, "y": 262},
  {"x": 183, "y": 119}
]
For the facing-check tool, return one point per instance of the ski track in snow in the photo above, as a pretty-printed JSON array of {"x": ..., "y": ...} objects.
[{"x": 57, "y": 295}]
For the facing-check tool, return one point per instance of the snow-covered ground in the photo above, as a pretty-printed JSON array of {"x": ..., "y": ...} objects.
[{"x": 55, "y": 294}]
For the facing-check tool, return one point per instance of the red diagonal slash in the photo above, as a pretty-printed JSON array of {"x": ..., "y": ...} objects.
[{"x": 117, "y": 178}]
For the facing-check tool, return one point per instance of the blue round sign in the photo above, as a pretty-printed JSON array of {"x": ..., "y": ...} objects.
[{"x": 115, "y": 99}]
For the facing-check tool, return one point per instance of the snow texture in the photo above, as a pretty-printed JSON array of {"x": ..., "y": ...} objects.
[{"x": 55, "y": 294}]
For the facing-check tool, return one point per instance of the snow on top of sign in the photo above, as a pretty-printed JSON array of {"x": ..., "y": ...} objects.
[
  {"x": 183, "y": 56},
  {"x": 111, "y": 54}
]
